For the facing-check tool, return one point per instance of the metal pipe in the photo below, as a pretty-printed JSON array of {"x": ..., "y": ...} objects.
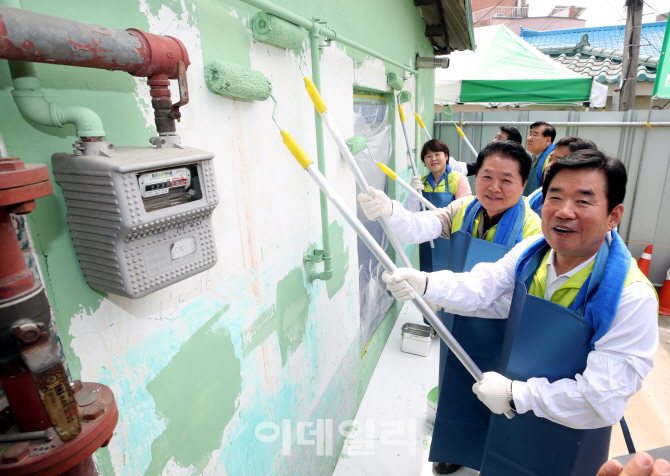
[
  {"x": 38, "y": 38},
  {"x": 310, "y": 24},
  {"x": 30, "y": 99},
  {"x": 314, "y": 43},
  {"x": 411, "y": 152},
  {"x": 560, "y": 124},
  {"x": 363, "y": 184}
]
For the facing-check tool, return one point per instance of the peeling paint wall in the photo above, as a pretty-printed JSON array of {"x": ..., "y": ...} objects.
[{"x": 197, "y": 366}]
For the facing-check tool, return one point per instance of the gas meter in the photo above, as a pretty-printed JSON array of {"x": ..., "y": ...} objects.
[{"x": 140, "y": 218}]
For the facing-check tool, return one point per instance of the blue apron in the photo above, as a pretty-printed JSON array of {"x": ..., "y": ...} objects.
[
  {"x": 536, "y": 201},
  {"x": 462, "y": 420},
  {"x": 535, "y": 177},
  {"x": 435, "y": 259},
  {"x": 558, "y": 339}
]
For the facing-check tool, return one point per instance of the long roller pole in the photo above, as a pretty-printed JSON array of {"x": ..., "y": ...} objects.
[
  {"x": 322, "y": 109},
  {"x": 304, "y": 160}
]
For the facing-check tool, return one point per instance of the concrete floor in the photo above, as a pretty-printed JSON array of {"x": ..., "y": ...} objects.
[{"x": 392, "y": 436}]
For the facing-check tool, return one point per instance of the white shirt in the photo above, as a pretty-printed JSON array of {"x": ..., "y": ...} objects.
[
  {"x": 555, "y": 282},
  {"x": 414, "y": 227},
  {"x": 460, "y": 167},
  {"x": 614, "y": 370}
]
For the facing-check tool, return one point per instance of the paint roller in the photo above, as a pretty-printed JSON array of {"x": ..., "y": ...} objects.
[
  {"x": 229, "y": 79},
  {"x": 406, "y": 96},
  {"x": 322, "y": 109},
  {"x": 401, "y": 113},
  {"x": 307, "y": 164},
  {"x": 358, "y": 144},
  {"x": 233, "y": 80},
  {"x": 276, "y": 31},
  {"x": 395, "y": 81},
  {"x": 462, "y": 134}
]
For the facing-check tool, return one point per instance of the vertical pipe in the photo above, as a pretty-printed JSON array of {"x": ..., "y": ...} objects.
[
  {"x": 314, "y": 43},
  {"x": 639, "y": 169},
  {"x": 416, "y": 124}
]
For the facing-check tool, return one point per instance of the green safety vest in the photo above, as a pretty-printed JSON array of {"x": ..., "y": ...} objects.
[
  {"x": 567, "y": 293},
  {"x": 532, "y": 224},
  {"x": 453, "y": 179}
]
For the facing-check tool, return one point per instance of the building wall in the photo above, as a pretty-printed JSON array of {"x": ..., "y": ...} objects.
[
  {"x": 197, "y": 366},
  {"x": 536, "y": 23}
]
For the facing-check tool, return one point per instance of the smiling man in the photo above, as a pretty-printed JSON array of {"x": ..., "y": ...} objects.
[
  {"x": 480, "y": 229},
  {"x": 563, "y": 147},
  {"x": 539, "y": 144},
  {"x": 582, "y": 328}
]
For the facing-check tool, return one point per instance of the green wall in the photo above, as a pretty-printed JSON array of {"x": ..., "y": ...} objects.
[{"x": 197, "y": 366}]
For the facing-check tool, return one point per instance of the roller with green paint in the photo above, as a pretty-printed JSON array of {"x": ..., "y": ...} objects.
[
  {"x": 404, "y": 96},
  {"x": 275, "y": 31},
  {"x": 229, "y": 79},
  {"x": 356, "y": 144},
  {"x": 395, "y": 81}
]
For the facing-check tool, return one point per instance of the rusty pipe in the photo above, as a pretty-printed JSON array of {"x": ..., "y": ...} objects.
[{"x": 34, "y": 37}]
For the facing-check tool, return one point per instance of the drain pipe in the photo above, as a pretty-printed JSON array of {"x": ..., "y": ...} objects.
[
  {"x": 325, "y": 255},
  {"x": 30, "y": 100}
]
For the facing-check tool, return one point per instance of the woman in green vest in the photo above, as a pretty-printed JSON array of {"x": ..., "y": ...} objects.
[{"x": 440, "y": 187}]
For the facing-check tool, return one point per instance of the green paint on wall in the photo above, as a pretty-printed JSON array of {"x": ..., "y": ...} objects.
[
  {"x": 292, "y": 312},
  {"x": 219, "y": 29},
  {"x": 196, "y": 394},
  {"x": 340, "y": 259},
  {"x": 104, "y": 460},
  {"x": 261, "y": 329}
]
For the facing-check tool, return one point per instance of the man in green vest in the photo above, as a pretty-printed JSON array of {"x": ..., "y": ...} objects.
[{"x": 585, "y": 323}]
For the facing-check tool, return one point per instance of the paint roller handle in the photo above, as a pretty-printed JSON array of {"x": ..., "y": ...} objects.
[
  {"x": 401, "y": 112},
  {"x": 423, "y": 126},
  {"x": 388, "y": 264},
  {"x": 314, "y": 93},
  {"x": 297, "y": 151},
  {"x": 418, "y": 119},
  {"x": 379, "y": 253},
  {"x": 394, "y": 176},
  {"x": 462, "y": 134}
]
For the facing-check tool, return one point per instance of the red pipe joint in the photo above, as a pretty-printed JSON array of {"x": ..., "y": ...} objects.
[{"x": 161, "y": 54}]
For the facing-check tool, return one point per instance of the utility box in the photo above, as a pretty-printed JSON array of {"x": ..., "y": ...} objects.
[{"x": 140, "y": 218}]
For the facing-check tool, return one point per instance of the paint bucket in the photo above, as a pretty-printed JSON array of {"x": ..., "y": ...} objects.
[{"x": 416, "y": 339}]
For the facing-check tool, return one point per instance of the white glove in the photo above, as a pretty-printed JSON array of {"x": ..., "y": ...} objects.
[
  {"x": 495, "y": 391},
  {"x": 404, "y": 281},
  {"x": 417, "y": 184},
  {"x": 375, "y": 203}
]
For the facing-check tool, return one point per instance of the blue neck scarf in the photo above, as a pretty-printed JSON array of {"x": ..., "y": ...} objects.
[
  {"x": 510, "y": 226},
  {"x": 536, "y": 200},
  {"x": 598, "y": 304},
  {"x": 540, "y": 164},
  {"x": 431, "y": 180}
]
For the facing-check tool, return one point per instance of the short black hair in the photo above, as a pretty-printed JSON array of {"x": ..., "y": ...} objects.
[
  {"x": 435, "y": 145},
  {"x": 509, "y": 150},
  {"x": 547, "y": 131},
  {"x": 576, "y": 143},
  {"x": 513, "y": 133},
  {"x": 593, "y": 159}
]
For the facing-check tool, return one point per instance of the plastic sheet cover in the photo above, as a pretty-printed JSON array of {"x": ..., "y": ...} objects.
[{"x": 371, "y": 122}]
